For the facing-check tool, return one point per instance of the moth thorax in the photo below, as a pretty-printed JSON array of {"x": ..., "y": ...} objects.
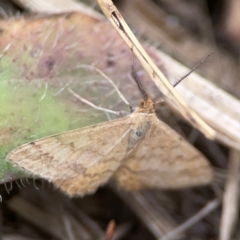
[{"x": 146, "y": 106}]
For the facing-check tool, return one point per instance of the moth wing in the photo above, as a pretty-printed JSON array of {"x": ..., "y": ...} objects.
[
  {"x": 77, "y": 161},
  {"x": 164, "y": 160}
]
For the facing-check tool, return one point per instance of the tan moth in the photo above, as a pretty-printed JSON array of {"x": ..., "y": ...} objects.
[{"x": 137, "y": 151}]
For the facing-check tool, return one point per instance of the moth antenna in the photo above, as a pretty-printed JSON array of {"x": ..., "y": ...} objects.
[
  {"x": 193, "y": 69},
  {"x": 21, "y": 180},
  {"x": 139, "y": 84},
  {"x": 19, "y": 186},
  {"x": 7, "y": 189},
  {"x": 184, "y": 76},
  {"x": 159, "y": 95}
]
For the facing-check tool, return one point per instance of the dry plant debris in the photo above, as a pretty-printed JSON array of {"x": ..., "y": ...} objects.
[{"x": 148, "y": 214}]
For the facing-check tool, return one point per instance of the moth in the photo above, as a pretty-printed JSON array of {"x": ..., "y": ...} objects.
[{"x": 137, "y": 151}]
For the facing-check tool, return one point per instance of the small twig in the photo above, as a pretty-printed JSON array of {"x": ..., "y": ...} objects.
[
  {"x": 91, "y": 104},
  {"x": 45, "y": 92},
  {"x": 92, "y": 67},
  {"x": 63, "y": 88},
  {"x": 148, "y": 210},
  {"x": 211, "y": 206},
  {"x": 231, "y": 198},
  {"x": 110, "y": 230}
]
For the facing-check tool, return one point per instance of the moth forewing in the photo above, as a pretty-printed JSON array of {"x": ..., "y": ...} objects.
[
  {"x": 164, "y": 160},
  {"x": 77, "y": 161}
]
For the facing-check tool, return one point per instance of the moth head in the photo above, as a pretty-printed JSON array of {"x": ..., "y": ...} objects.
[{"x": 146, "y": 106}]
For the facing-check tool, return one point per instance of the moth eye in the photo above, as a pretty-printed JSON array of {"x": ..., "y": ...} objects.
[{"x": 139, "y": 133}]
